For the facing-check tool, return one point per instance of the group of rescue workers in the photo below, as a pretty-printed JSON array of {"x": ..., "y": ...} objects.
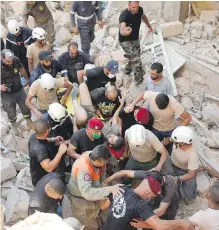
[{"x": 129, "y": 164}]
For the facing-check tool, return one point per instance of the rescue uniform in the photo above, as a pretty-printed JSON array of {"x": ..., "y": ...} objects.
[
  {"x": 85, "y": 187},
  {"x": 43, "y": 18},
  {"x": 86, "y": 21},
  {"x": 18, "y": 45},
  {"x": 10, "y": 76},
  {"x": 74, "y": 64}
]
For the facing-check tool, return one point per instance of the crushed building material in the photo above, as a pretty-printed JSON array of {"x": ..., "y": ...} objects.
[
  {"x": 16, "y": 205},
  {"x": 7, "y": 169},
  {"x": 171, "y": 29},
  {"x": 23, "y": 180},
  {"x": 203, "y": 184}
]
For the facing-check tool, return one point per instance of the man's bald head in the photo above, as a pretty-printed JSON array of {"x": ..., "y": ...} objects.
[
  {"x": 214, "y": 194},
  {"x": 41, "y": 127},
  {"x": 111, "y": 93}
]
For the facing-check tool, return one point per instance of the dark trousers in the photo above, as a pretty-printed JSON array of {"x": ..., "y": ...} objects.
[
  {"x": 10, "y": 100},
  {"x": 161, "y": 135},
  {"x": 87, "y": 37}
]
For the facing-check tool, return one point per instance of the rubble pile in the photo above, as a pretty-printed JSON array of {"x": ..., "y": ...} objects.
[{"x": 203, "y": 45}]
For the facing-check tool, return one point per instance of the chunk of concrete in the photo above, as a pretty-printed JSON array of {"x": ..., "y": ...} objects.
[
  {"x": 63, "y": 36},
  {"x": 24, "y": 181},
  {"x": 210, "y": 113},
  {"x": 197, "y": 25},
  {"x": 187, "y": 102},
  {"x": 16, "y": 205},
  {"x": 203, "y": 184},
  {"x": 3, "y": 202},
  {"x": 118, "y": 55},
  {"x": 15, "y": 143},
  {"x": 108, "y": 41},
  {"x": 209, "y": 16},
  {"x": 172, "y": 29},
  {"x": 113, "y": 31},
  {"x": 7, "y": 169}
]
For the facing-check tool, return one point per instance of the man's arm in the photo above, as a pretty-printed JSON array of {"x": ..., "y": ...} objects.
[
  {"x": 80, "y": 75},
  {"x": 126, "y": 150},
  {"x": 118, "y": 175},
  {"x": 31, "y": 106},
  {"x": 130, "y": 107},
  {"x": 163, "y": 158},
  {"x": 145, "y": 20},
  {"x": 155, "y": 222},
  {"x": 188, "y": 176},
  {"x": 50, "y": 166},
  {"x": 30, "y": 65},
  {"x": 186, "y": 118},
  {"x": 74, "y": 7},
  {"x": 162, "y": 209},
  {"x": 71, "y": 151},
  {"x": 124, "y": 30},
  {"x": 68, "y": 86},
  {"x": 24, "y": 74}
]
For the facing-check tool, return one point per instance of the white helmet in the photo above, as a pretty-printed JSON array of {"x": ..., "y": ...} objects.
[
  {"x": 47, "y": 82},
  {"x": 13, "y": 26},
  {"x": 39, "y": 33},
  {"x": 183, "y": 134},
  {"x": 137, "y": 135},
  {"x": 57, "y": 112}
]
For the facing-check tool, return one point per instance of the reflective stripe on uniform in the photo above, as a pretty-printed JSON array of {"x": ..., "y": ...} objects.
[
  {"x": 11, "y": 41},
  {"x": 72, "y": 12},
  {"x": 85, "y": 18},
  {"x": 27, "y": 39}
]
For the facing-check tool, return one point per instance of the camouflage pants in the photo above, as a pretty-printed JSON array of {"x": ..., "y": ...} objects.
[
  {"x": 132, "y": 48},
  {"x": 49, "y": 28}
]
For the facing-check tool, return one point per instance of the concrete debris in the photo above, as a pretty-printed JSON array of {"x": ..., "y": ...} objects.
[
  {"x": 210, "y": 113},
  {"x": 15, "y": 143},
  {"x": 63, "y": 36},
  {"x": 7, "y": 169},
  {"x": 3, "y": 202},
  {"x": 74, "y": 223},
  {"x": 61, "y": 19},
  {"x": 102, "y": 58},
  {"x": 119, "y": 56},
  {"x": 16, "y": 205},
  {"x": 108, "y": 41},
  {"x": 171, "y": 29},
  {"x": 187, "y": 102},
  {"x": 113, "y": 31},
  {"x": 6, "y": 186},
  {"x": 203, "y": 184},
  {"x": 3, "y": 32},
  {"x": 209, "y": 16},
  {"x": 209, "y": 142},
  {"x": 197, "y": 25},
  {"x": 23, "y": 180}
]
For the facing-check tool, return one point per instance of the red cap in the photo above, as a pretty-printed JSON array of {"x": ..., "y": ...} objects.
[
  {"x": 143, "y": 116},
  {"x": 95, "y": 123},
  {"x": 155, "y": 186}
]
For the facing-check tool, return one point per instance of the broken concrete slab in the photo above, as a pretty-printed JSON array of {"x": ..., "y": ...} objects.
[
  {"x": 197, "y": 25},
  {"x": 16, "y": 205},
  {"x": 118, "y": 55},
  {"x": 16, "y": 143},
  {"x": 210, "y": 113},
  {"x": 24, "y": 181},
  {"x": 113, "y": 31},
  {"x": 108, "y": 41},
  {"x": 7, "y": 169},
  {"x": 203, "y": 184},
  {"x": 187, "y": 103},
  {"x": 3, "y": 202},
  {"x": 172, "y": 29},
  {"x": 63, "y": 36},
  {"x": 209, "y": 16}
]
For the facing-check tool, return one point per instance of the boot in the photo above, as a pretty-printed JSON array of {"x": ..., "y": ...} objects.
[
  {"x": 128, "y": 68},
  {"x": 138, "y": 75},
  {"x": 14, "y": 128},
  {"x": 29, "y": 125}
]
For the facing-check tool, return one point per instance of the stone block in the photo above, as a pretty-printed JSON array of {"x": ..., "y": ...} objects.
[
  {"x": 118, "y": 55},
  {"x": 196, "y": 33},
  {"x": 113, "y": 31},
  {"x": 63, "y": 36},
  {"x": 211, "y": 31},
  {"x": 209, "y": 16},
  {"x": 203, "y": 184},
  {"x": 7, "y": 169},
  {"x": 108, "y": 41},
  {"x": 172, "y": 29},
  {"x": 16, "y": 205},
  {"x": 24, "y": 181},
  {"x": 16, "y": 143},
  {"x": 3, "y": 202},
  {"x": 187, "y": 103},
  {"x": 197, "y": 25},
  {"x": 210, "y": 113}
]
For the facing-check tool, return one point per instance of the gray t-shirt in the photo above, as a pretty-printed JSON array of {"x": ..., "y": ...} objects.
[{"x": 162, "y": 86}]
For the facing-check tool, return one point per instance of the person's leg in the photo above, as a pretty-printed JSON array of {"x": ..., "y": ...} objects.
[
  {"x": 49, "y": 28},
  {"x": 9, "y": 106},
  {"x": 130, "y": 165},
  {"x": 128, "y": 49},
  {"x": 189, "y": 190},
  {"x": 85, "y": 39},
  {"x": 20, "y": 99},
  {"x": 136, "y": 62}
]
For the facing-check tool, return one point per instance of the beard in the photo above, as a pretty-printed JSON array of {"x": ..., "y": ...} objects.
[{"x": 47, "y": 68}]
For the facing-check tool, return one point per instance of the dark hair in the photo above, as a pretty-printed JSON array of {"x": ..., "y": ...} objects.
[
  {"x": 41, "y": 126},
  {"x": 72, "y": 43},
  {"x": 214, "y": 193},
  {"x": 157, "y": 66},
  {"x": 162, "y": 100},
  {"x": 100, "y": 152},
  {"x": 57, "y": 186},
  {"x": 133, "y": 1},
  {"x": 156, "y": 175},
  {"x": 118, "y": 144}
]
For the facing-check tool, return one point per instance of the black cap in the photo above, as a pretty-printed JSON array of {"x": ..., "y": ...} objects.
[{"x": 44, "y": 55}]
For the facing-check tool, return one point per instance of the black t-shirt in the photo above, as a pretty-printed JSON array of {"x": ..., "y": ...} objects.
[
  {"x": 83, "y": 142},
  {"x": 38, "y": 151},
  {"x": 133, "y": 21},
  {"x": 128, "y": 120},
  {"x": 22, "y": 50},
  {"x": 124, "y": 209},
  {"x": 39, "y": 200},
  {"x": 107, "y": 107},
  {"x": 169, "y": 189},
  {"x": 96, "y": 78}
]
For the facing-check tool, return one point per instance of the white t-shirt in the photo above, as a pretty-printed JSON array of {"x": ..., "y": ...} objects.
[{"x": 206, "y": 219}]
